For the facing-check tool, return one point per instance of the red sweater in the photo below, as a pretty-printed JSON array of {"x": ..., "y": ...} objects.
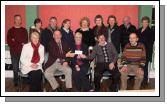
[
  {"x": 134, "y": 54},
  {"x": 15, "y": 38}
]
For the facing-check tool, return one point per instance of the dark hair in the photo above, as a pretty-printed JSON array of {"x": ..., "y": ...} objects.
[
  {"x": 100, "y": 35},
  {"x": 37, "y": 20},
  {"x": 65, "y": 21},
  {"x": 53, "y": 18},
  {"x": 17, "y": 15},
  {"x": 57, "y": 30},
  {"x": 146, "y": 18},
  {"x": 112, "y": 16},
  {"x": 98, "y": 16}
]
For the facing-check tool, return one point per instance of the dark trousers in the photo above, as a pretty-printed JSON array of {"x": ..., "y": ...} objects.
[
  {"x": 81, "y": 80},
  {"x": 100, "y": 69},
  {"x": 15, "y": 63},
  {"x": 35, "y": 81},
  {"x": 146, "y": 72}
]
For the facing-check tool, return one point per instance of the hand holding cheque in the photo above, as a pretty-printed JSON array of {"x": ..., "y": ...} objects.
[{"x": 77, "y": 52}]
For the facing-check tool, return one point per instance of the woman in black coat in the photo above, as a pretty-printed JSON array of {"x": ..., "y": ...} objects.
[
  {"x": 87, "y": 33},
  {"x": 80, "y": 66},
  {"x": 67, "y": 33},
  {"x": 146, "y": 36},
  {"x": 113, "y": 32}
]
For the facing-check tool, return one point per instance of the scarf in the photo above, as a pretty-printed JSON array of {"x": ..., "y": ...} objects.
[
  {"x": 35, "y": 57},
  {"x": 78, "y": 61}
]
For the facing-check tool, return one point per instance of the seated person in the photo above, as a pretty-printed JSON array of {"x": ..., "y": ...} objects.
[
  {"x": 133, "y": 61},
  {"x": 57, "y": 61},
  {"x": 32, "y": 57},
  {"x": 80, "y": 66},
  {"x": 106, "y": 58}
]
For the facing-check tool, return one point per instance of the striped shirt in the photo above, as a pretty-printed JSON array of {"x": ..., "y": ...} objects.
[{"x": 134, "y": 54}]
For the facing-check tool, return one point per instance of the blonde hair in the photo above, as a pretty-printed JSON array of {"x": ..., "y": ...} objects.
[
  {"x": 78, "y": 34},
  {"x": 34, "y": 33},
  {"x": 84, "y": 19}
]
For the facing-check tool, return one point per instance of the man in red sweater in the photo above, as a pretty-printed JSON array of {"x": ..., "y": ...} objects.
[
  {"x": 133, "y": 61},
  {"x": 17, "y": 36}
]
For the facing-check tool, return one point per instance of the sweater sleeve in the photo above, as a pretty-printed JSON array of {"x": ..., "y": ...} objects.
[
  {"x": 143, "y": 58},
  {"x": 10, "y": 39},
  {"x": 123, "y": 59},
  {"x": 114, "y": 53},
  {"x": 23, "y": 57}
]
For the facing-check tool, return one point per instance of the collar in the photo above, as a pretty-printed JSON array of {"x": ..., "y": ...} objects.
[
  {"x": 103, "y": 44},
  {"x": 66, "y": 30},
  {"x": 84, "y": 29},
  {"x": 134, "y": 44}
]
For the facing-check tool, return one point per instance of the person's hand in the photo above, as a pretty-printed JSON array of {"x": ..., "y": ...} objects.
[
  {"x": 82, "y": 56},
  {"x": 68, "y": 54},
  {"x": 34, "y": 66},
  {"x": 65, "y": 64},
  {"x": 111, "y": 66},
  {"x": 77, "y": 67},
  {"x": 72, "y": 54},
  {"x": 124, "y": 69},
  {"x": 140, "y": 71},
  {"x": 78, "y": 56}
]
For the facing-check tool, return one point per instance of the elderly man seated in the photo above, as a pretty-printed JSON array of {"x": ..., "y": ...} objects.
[{"x": 133, "y": 61}]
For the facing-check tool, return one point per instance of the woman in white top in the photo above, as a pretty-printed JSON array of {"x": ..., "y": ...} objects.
[{"x": 32, "y": 57}]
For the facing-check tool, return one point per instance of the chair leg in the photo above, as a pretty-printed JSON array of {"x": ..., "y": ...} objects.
[
  {"x": 90, "y": 79},
  {"x": 20, "y": 84},
  {"x": 43, "y": 83}
]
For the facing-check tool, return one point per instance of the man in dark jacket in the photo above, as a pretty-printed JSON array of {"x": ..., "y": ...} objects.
[
  {"x": 47, "y": 33},
  {"x": 17, "y": 36},
  {"x": 58, "y": 51},
  {"x": 106, "y": 57},
  {"x": 126, "y": 29},
  {"x": 147, "y": 37},
  {"x": 113, "y": 32},
  {"x": 100, "y": 28}
]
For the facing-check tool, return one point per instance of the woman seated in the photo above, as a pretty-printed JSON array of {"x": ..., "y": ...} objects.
[
  {"x": 80, "y": 66},
  {"x": 32, "y": 57}
]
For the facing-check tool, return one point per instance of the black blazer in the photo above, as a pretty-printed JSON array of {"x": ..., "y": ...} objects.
[
  {"x": 115, "y": 37},
  {"x": 68, "y": 37},
  {"x": 125, "y": 34},
  {"x": 88, "y": 37},
  {"x": 147, "y": 37},
  {"x": 84, "y": 49}
]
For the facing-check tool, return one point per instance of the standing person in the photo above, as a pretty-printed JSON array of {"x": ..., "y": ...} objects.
[
  {"x": 80, "y": 66},
  {"x": 67, "y": 33},
  {"x": 133, "y": 61},
  {"x": 106, "y": 56},
  {"x": 17, "y": 36},
  {"x": 146, "y": 36},
  {"x": 88, "y": 37},
  {"x": 37, "y": 26},
  {"x": 58, "y": 51},
  {"x": 126, "y": 29},
  {"x": 113, "y": 32},
  {"x": 47, "y": 34},
  {"x": 100, "y": 28},
  {"x": 32, "y": 57}
]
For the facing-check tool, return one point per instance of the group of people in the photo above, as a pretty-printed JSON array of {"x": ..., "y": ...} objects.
[{"x": 46, "y": 51}]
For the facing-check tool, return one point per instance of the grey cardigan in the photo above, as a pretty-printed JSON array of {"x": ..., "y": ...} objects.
[{"x": 98, "y": 54}]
